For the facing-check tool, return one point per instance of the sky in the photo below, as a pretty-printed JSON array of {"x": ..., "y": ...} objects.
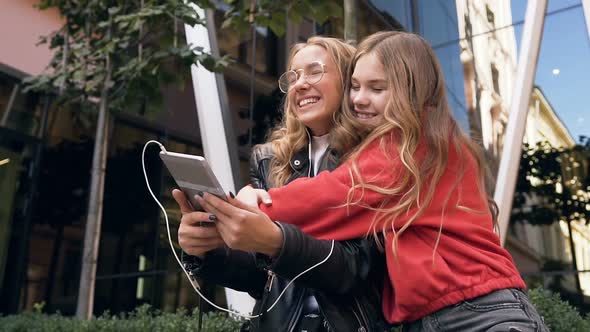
[{"x": 565, "y": 47}]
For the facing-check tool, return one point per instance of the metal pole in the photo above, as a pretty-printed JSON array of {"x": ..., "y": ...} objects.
[
  {"x": 215, "y": 144},
  {"x": 586, "y": 4},
  {"x": 215, "y": 127},
  {"x": 527, "y": 66}
]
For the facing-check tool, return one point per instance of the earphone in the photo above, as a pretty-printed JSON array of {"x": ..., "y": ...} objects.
[{"x": 190, "y": 277}]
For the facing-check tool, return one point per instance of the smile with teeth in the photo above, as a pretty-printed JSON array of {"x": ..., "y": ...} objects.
[
  {"x": 364, "y": 115},
  {"x": 307, "y": 101}
]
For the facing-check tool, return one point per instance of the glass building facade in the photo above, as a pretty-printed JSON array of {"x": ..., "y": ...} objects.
[{"x": 46, "y": 152}]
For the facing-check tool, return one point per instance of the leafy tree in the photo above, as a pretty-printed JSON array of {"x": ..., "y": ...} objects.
[
  {"x": 553, "y": 185},
  {"x": 113, "y": 55},
  {"x": 274, "y": 14}
]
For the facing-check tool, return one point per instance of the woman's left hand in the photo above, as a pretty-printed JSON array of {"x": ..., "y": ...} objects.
[
  {"x": 253, "y": 196},
  {"x": 242, "y": 226}
]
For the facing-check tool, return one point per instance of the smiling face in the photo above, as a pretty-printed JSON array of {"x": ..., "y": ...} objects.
[
  {"x": 315, "y": 104},
  {"x": 369, "y": 90}
]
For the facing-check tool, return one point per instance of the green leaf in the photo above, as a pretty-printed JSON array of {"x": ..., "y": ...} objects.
[
  {"x": 114, "y": 10},
  {"x": 278, "y": 24}
]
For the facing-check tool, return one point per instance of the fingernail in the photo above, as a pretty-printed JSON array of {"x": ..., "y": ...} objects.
[
  {"x": 232, "y": 195},
  {"x": 267, "y": 200},
  {"x": 212, "y": 217}
]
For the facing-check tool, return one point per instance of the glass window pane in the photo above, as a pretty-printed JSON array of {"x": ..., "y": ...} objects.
[
  {"x": 398, "y": 11},
  {"x": 439, "y": 24},
  {"x": 17, "y": 160},
  {"x": 250, "y": 126},
  {"x": 551, "y": 204},
  {"x": 59, "y": 214}
]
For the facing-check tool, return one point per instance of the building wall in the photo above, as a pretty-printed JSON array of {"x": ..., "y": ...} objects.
[
  {"x": 489, "y": 60},
  {"x": 551, "y": 242},
  {"x": 545, "y": 242},
  {"x": 21, "y": 25}
]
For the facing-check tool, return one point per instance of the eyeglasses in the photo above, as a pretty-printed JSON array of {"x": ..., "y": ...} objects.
[{"x": 312, "y": 74}]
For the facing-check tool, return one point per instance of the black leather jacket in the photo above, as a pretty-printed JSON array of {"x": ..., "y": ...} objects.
[{"x": 347, "y": 287}]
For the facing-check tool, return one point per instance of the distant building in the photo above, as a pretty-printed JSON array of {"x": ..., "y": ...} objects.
[
  {"x": 531, "y": 245},
  {"x": 489, "y": 59},
  {"x": 488, "y": 55}
]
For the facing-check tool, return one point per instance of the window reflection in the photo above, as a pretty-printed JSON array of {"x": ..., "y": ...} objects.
[
  {"x": 551, "y": 203},
  {"x": 239, "y": 46},
  {"x": 440, "y": 23},
  {"x": 488, "y": 57},
  {"x": 398, "y": 12},
  {"x": 18, "y": 158},
  {"x": 239, "y": 82},
  {"x": 57, "y": 230}
]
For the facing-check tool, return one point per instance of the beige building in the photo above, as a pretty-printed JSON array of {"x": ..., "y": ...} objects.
[
  {"x": 489, "y": 63},
  {"x": 532, "y": 245}
]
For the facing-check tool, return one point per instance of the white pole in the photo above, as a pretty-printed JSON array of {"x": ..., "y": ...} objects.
[
  {"x": 586, "y": 4},
  {"x": 214, "y": 135},
  {"x": 525, "y": 75}
]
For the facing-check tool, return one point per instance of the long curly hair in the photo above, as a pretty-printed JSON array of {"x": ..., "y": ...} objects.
[
  {"x": 291, "y": 135},
  {"x": 416, "y": 114}
]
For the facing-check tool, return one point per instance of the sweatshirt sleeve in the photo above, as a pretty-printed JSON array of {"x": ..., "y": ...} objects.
[{"x": 318, "y": 205}]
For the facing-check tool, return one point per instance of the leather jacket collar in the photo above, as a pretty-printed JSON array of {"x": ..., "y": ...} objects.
[{"x": 301, "y": 161}]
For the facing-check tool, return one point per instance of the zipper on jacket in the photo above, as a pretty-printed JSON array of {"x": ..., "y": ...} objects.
[
  {"x": 269, "y": 281},
  {"x": 366, "y": 321},
  {"x": 325, "y": 318},
  {"x": 265, "y": 295},
  {"x": 361, "y": 327}
]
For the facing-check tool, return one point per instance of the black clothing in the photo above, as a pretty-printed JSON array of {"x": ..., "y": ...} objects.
[{"x": 347, "y": 287}]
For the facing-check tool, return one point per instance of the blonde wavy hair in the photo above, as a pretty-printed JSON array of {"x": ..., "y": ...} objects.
[
  {"x": 291, "y": 135},
  {"x": 417, "y": 110}
]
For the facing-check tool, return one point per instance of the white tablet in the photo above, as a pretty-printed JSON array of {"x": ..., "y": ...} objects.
[{"x": 193, "y": 175}]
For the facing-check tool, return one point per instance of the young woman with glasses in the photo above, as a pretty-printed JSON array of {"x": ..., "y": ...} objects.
[{"x": 343, "y": 293}]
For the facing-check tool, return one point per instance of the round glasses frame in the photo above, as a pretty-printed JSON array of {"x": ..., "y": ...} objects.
[{"x": 312, "y": 74}]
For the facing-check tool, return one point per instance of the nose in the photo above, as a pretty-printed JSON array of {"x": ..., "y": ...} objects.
[
  {"x": 359, "y": 98},
  {"x": 300, "y": 84}
]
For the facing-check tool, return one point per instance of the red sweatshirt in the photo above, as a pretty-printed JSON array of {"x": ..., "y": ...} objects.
[{"x": 469, "y": 260}]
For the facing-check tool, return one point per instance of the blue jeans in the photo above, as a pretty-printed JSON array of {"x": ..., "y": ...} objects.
[{"x": 506, "y": 310}]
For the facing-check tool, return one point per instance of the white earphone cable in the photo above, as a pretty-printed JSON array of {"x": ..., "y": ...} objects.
[{"x": 191, "y": 278}]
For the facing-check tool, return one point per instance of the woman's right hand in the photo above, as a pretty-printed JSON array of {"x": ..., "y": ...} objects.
[
  {"x": 243, "y": 227},
  {"x": 194, "y": 238}
]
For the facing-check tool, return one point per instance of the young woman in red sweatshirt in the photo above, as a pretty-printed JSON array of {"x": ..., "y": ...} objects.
[{"x": 416, "y": 184}]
